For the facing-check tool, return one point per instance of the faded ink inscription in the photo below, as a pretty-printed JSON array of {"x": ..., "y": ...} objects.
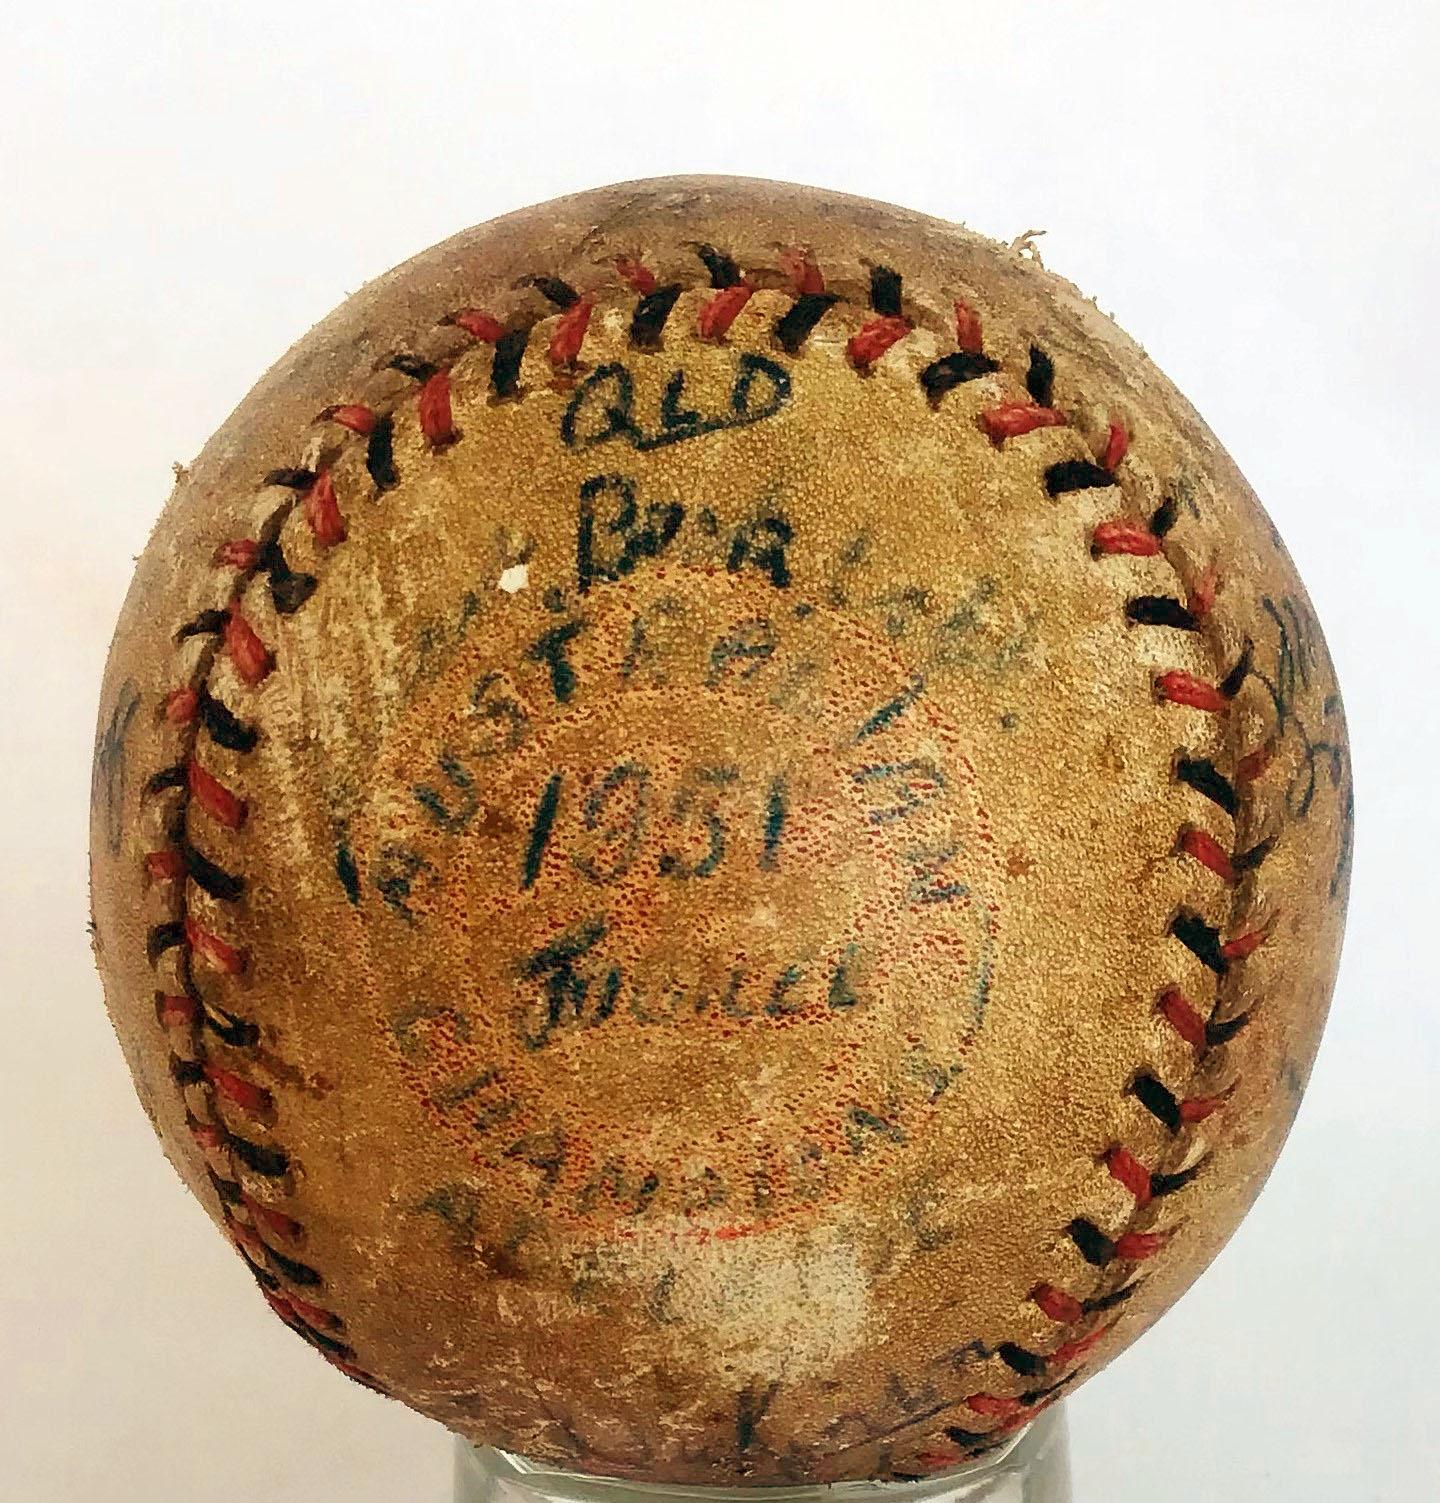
[
  {"x": 109, "y": 770},
  {"x": 648, "y": 876},
  {"x": 1292, "y": 666}
]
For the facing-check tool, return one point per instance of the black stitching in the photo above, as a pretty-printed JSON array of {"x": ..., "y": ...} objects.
[
  {"x": 220, "y": 884},
  {"x": 1040, "y": 378},
  {"x": 412, "y": 366},
  {"x": 1248, "y": 861},
  {"x": 648, "y": 320},
  {"x": 1018, "y": 1360},
  {"x": 722, "y": 268},
  {"x": 1105, "y": 1302},
  {"x": 505, "y": 371},
  {"x": 1157, "y": 1099},
  {"x": 164, "y": 937},
  {"x": 320, "y": 1340},
  {"x": 885, "y": 296},
  {"x": 1221, "y": 1033},
  {"x": 949, "y": 371},
  {"x": 1201, "y": 939},
  {"x": 272, "y": 1162},
  {"x": 228, "y": 1190},
  {"x": 1201, "y": 774},
  {"x": 237, "y": 1032},
  {"x": 1035, "y": 1395},
  {"x": 1076, "y": 475},
  {"x": 289, "y": 590},
  {"x": 380, "y": 454},
  {"x": 297, "y": 1273},
  {"x": 263, "y": 1277},
  {"x": 291, "y": 479},
  {"x": 167, "y": 777},
  {"x": 186, "y": 1072},
  {"x": 1095, "y": 1247},
  {"x": 795, "y": 326},
  {"x": 206, "y": 624},
  {"x": 223, "y": 727},
  {"x": 1160, "y": 610},
  {"x": 1168, "y": 1184},
  {"x": 1230, "y": 684},
  {"x": 562, "y": 294}
]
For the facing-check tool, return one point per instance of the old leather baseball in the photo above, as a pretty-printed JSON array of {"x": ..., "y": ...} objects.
[{"x": 720, "y": 836}]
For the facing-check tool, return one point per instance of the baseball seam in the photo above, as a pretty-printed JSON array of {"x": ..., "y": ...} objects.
[{"x": 212, "y": 1094}]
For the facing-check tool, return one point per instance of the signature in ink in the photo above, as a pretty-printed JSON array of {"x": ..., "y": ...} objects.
[
  {"x": 603, "y": 407},
  {"x": 107, "y": 775},
  {"x": 1287, "y": 680}
]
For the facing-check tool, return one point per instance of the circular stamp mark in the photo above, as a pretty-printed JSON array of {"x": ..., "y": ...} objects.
[{"x": 686, "y": 905}]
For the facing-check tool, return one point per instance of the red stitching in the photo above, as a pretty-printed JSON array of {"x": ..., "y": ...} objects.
[
  {"x": 1182, "y": 688},
  {"x": 722, "y": 310},
  {"x": 235, "y": 1088},
  {"x": 874, "y": 338},
  {"x": 209, "y": 1135},
  {"x": 1255, "y": 764},
  {"x": 177, "y": 1011},
  {"x": 1059, "y": 1306},
  {"x": 1202, "y": 596},
  {"x": 313, "y": 1315},
  {"x": 215, "y": 798},
  {"x": 239, "y": 553},
  {"x": 1246, "y": 944},
  {"x": 806, "y": 278},
  {"x": 1175, "y": 1008},
  {"x": 1208, "y": 851},
  {"x": 636, "y": 275},
  {"x": 1125, "y": 1168},
  {"x": 995, "y": 1406},
  {"x": 165, "y": 866},
  {"x": 479, "y": 324},
  {"x": 432, "y": 408},
  {"x": 351, "y": 1371},
  {"x": 253, "y": 662},
  {"x": 287, "y": 1304},
  {"x": 1136, "y": 1247},
  {"x": 247, "y": 652},
  {"x": 1197, "y": 1108},
  {"x": 352, "y": 415},
  {"x": 1072, "y": 1351},
  {"x": 1116, "y": 446},
  {"x": 181, "y": 706},
  {"x": 246, "y": 1236},
  {"x": 1122, "y": 535},
  {"x": 969, "y": 334},
  {"x": 1015, "y": 419},
  {"x": 1125, "y": 537},
  {"x": 322, "y": 511},
  {"x": 214, "y": 951},
  {"x": 569, "y": 333},
  {"x": 277, "y": 1221}
]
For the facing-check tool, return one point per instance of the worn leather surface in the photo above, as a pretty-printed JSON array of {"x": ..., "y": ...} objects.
[{"x": 710, "y": 861}]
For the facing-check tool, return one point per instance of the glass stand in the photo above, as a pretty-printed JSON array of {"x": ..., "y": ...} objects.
[{"x": 1034, "y": 1468}]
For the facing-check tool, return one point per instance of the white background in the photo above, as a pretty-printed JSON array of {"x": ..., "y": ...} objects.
[{"x": 1251, "y": 189}]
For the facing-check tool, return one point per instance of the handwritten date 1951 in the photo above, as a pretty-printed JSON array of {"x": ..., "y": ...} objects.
[{"x": 623, "y": 817}]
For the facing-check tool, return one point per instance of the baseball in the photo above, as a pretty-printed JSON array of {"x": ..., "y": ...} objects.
[{"x": 720, "y": 836}]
